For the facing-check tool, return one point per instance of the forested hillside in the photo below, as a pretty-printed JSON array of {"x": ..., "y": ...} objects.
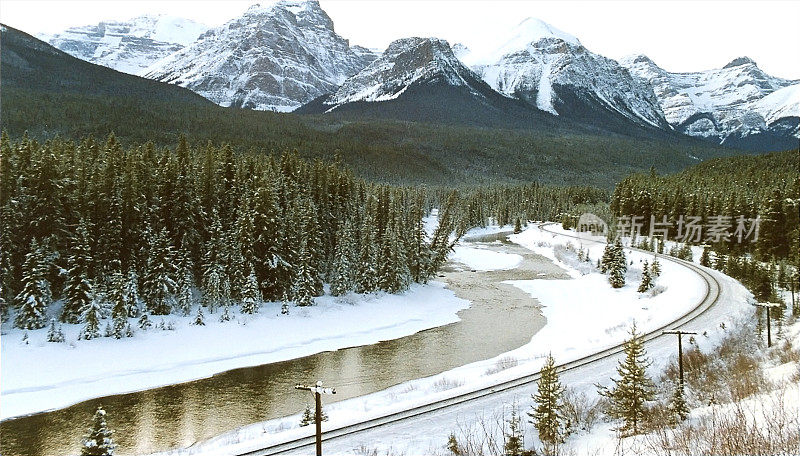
[
  {"x": 49, "y": 93},
  {"x": 92, "y": 229}
]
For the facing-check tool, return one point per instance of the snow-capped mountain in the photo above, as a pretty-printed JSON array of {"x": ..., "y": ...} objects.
[
  {"x": 405, "y": 62},
  {"x": 727, "y": 104},
  {"x": 553, "y": 71},
  {"x": 275, "y": 57},
  {"x": 128, "y": 46},
  {"x": 421, "y": 80}
]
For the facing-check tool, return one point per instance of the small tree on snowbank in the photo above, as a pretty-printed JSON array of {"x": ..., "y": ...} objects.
[{"x": 98, "y": 442}]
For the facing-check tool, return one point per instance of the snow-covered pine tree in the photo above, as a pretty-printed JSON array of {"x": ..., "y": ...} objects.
[
  {"x": 77, "y": 289},
  {"x": 90, "y": 318},
  {"x": 212, "y": 287},
  {"x": 618, "y": 266},
  {"x": 144, "y": 320},
  {"x": 304, "y": 282},
  {"x": 119, "y": 309},
  {"x": 160, "y": 286},
  {"x": 647, "y": 279},
  {"x": 251, "y": 295},
  {"x": 631, "y": 392},
  {"x": 606, "y": 260},
  {"x": 342, "y": 280},
  {"x": 32, "y": 300},
  {"x": 677, "y": 404},
  {"x": 98, "y": 441},
  {"x": 132, "y": 293},
  {"x": 655, "y": 268},
  {"x": 547, "y": 414},
  {"x": 514, "y": 439},
  {"x": 55, "y": 334},
  {"x": 185, "y": 300},
  {"x": 705, "y": 258},
  {"x": 199, "y": 319},
  {"x": 308, "y": 416}
]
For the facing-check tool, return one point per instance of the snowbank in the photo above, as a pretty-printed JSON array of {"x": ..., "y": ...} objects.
[
  {"x": 482, "y": 259},
  {"x": 41, "y": 376},
  {"x": 584, "y": 315}
]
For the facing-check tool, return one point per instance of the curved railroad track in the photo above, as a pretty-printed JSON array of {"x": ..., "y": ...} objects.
[{"x": 709, "y": 300}]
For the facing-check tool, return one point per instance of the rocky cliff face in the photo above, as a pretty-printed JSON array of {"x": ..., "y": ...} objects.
[
  {"x": 272, "y": 58},
  {"x": 727, "y": 104},
  {"x": 127, "y": 46}
]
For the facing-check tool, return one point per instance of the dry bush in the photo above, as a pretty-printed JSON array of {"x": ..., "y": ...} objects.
[
  {"x": 731, "y": 372},
  {"x": 444, "y": 384},
  {"x": 506, "y": 362},
  {"x": 736, "y": 429},
  {"x": 581, "y": 411}
]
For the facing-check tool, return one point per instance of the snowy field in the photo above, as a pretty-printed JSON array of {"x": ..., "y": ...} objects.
[
  {"x": 40, "y": 376},
  {"x": 584, "y": 315}
]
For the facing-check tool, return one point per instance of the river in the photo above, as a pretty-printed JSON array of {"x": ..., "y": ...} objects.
[{"x": 179, "y": 415}]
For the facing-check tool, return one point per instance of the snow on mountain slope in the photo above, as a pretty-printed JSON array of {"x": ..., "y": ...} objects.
[
  {"x": 275, "y": 57},
  {"x": 552, "y": 70},
  {"x": 404, "y": 62},
  {"x": 127, "y": 46},
  {"x": 779, "y": 104},
  {"x": 718, "y": 103}
]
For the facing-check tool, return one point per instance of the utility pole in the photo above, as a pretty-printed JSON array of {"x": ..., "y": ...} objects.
[
  {"x": 680, "y": 350},
  {"x": 768, "y": 306},
  {"x": 318, "y": 390}
]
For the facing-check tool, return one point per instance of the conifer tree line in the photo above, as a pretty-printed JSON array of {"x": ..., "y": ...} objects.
[
  {"x": 127, "y": 232},
  {"x": 766, "y": 186}
]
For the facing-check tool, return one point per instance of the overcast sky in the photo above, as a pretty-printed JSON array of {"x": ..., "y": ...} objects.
[{"x": 678, "y": 36}]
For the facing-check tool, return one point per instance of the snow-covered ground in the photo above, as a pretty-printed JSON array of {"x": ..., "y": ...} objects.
[
  {"x": 584, "y": 315},
  {"x": 481, "y": 258},
  {"x": 40, "y": 376}
]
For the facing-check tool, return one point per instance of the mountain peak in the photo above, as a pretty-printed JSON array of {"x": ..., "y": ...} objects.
[
  {"x": 305, "y": 12},
  {"x": 533, "y": 29},
  {"x": 739, "y": 61}
]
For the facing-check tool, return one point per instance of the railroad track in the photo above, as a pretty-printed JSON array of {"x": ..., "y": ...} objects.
[{"x": 709, "y": 300}]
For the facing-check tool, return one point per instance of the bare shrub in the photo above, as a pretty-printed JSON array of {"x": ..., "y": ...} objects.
[
  {"x": 736, "y": 429},
  {"x": 581, "y": 411},
  {"x": 444, "y": 384},
  {"x": 731, "y": 372},
  {"x": 506, "y": 362}
]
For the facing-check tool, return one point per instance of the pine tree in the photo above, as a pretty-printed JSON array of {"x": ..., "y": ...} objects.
[
  {"x": 55, "y": 334},
  {"x": 514, "y": 443},
  {"x": 606, "y": 260},
  {"x": 631, "y": 392},
  {"x": 132, "y": 293},
  {"x": 308, "y": 416},
  {"x": 251, "y": 295},
  {"x": 655, "y": 268},
  {"x": 705, "y": 259},
  {"x": 98, "y": 441},
  {"x": 199, "y": 320},
  {"x": 342, "y": 281},
  {"x": 159, "y": 284},
  {"x": 618, "y": 266},
  {"x": 547, "y": 415},
  {"x": 677, "y": 404},
  {"x": 185, "y": 292},
  {"x": 144, "y": 321},
  {"x": 647, "y": 280},
  {"x": 77, "y": 289},
  {"x": 90, "y": 317},
  {"x": 33, "y": 300},
  {"x": 517, "y": 226},
  {"x": 304, "y": 282},
  {"x": 119, "y": 309}
]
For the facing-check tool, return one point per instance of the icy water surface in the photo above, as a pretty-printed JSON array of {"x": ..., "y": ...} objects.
[{"x": 179, "y": 415}]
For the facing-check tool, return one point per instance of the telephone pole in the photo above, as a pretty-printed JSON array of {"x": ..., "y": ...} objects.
[
  {"x": 769, "y": 306},
  {"x": 318, "y": 390},
  {"x": 680, "y": 350}
]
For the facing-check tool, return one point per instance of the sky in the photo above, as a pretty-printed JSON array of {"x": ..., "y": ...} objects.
[{"x": 679, "y": 36}]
